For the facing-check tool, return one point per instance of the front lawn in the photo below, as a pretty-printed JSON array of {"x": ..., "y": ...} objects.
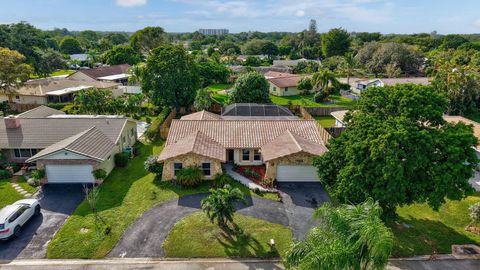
[
  {"x": 124, "y": 196},
  {"x": 216, "y": 88},
  {"x": 8, "y": 194},
  {"x": 307, "y": 101},
  {"x": 22, "y": 182},
  {"x": 195, "y": 236},
  {"x": 422, "y": 231},
  {"x": 325, "y": 121}
]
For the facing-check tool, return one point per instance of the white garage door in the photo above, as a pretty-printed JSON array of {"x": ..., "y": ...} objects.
[
  {"x": 292, "y": 173},
  {"x": 69, "y": 173}
]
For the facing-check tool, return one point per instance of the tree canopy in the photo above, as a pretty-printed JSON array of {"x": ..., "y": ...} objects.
[
  {"x": 170, "y": 77},
  {"x": 47, "y": 61},
  {"x": 13, "y": 71},
  {"x": 147, "y": 39},
  {"x": 250, "y": 87},
  {"x": 211, "y": 72},
  {"x": 335, "y": 42},
  {"x": 122, "y": 54},
  {"x": 398, "y": 150},
  {"x": 70, "y": 45}
]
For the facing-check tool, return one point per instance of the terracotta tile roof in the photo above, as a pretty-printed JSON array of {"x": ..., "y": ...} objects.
[
  {"x": 39, "y": 133},
  {"x": 105, "y": 71},
  {"x": 276, "y": 74},
  {"x": 91, "y": 143},
  {"x": 280, "y": 79},
  {"x": 476, "y": 126},
  {"x": 243, "y": 133},
  {"x": 290, "y": 143},
  {"x": 196, "y": 143},
  {"x": 40, "y": 112},
  {"x": 202, "y": 115},
  {"x": 40, "y": 87}
]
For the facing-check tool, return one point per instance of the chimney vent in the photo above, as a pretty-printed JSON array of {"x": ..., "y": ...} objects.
[{"x": 12, "y": 122}]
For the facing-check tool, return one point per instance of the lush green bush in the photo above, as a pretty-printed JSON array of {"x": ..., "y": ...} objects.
[
  {"x": 33, "y": 182},
  {"x": 153, "y": 131},
  {"x": 121, "y": 159},
  {"x": 58, "y": 106},
  {"x": 251, "y": 173},
  {"x": 99, "y": 174},
  {"x": 151, "y": 165},
  {"x": 190, "y": 176},
  {"x": 220, "y": 180},
  {"x": 4, "y": 174},
  {"x": 38, "y": 174},
  {"x": 320, "y": 96}
]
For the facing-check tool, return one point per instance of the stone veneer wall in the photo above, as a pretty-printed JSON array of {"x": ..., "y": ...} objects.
[
  {"x": 301, "y": 158},
  {"x": 189, "y": 160}
]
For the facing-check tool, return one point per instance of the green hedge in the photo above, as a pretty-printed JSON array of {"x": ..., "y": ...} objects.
[
  {"x": 58, "y": 106},
  {"x": 153, "y": 131}
]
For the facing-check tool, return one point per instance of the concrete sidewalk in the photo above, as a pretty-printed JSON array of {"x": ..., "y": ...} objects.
[{"x": 217, "y": 264}]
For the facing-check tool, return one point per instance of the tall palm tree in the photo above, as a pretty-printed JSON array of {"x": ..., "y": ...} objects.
[
  {"x": 220, "y": 204},
  {"x": 322, "y": 80},
  {"x": 349, "y": 237},
  {"x": 348, "y": 65}
]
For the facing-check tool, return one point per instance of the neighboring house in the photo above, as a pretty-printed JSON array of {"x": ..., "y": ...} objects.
[
  {"x": 358, "y": 85},
  {"x": 206, "y": 140},
  {"x": 68, "y": 147},
  {"x": 283, "y": 84},
  {"x": 253, "y": 111},
  {"x": 54, "y": 90},
  {"x": 82, "y": 57},
  {"x": 476, "y": 127},
  {"x": 116, "y": 74},
  {"x": 244, "y": 58},
  {"x": 291, "y": 63},
  {"x": 339, "y": 118}
]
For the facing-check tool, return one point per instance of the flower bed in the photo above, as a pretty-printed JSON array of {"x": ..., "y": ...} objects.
[{"x": 256, "y": 174}]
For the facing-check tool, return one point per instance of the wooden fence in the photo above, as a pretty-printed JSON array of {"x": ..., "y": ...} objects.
[
  {"x": 323, "y": 133},
  {"x": 335, "y": 131}
]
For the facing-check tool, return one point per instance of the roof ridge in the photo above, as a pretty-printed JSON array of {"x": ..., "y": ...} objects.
[
  {"x": 80, "y": 135},
  {"x": 294, "y": 140}
]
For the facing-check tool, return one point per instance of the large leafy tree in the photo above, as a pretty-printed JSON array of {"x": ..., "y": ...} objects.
[
  {"x": 148, "y": 38},
  {"x": 203, "y": 99},
  {"x": 93, "y": 101},
  {"x": 13, "y": 71},
  {"x": 220, "y": 204},
  {"x": 251, "y": 87},
  {"x": 170, "y": 77},
  {"x": 335, "y": 42},
  {"x": 398, "y": 150},
  {"x": 122, "y": 54},
  {"x": 70, "y": 45},
  {"x": 47, "y": 61},
  {"x": 22, "y": 37},
  {"x": 211, "y": 72},
  {"x": 461, "y": 83},
  {"x": 349, "y": 237}
]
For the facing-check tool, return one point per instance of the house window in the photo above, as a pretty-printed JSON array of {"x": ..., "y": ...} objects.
[
  {"x": 274, "y": 88},
  {"x": 24, "y": 153},
  {"x": 256, "y": 155},
  {"x": 177, "y": 167},
  {"x": 206, "y": 168},
  {"x": 245, "y": 154},
  {"x": 132, "y": 132},
  {"x": 17, "y": 97},
  {"x": 286, "y": 89}
]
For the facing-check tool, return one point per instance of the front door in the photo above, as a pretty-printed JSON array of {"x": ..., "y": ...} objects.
[{"x": 231, "y": 155}]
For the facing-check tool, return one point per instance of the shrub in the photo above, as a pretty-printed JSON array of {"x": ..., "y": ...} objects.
[
  {"x": 121, "y": 159},
  {"x": 475, "y": 213},
  {"x": 4, "y": 174},
  {"x": 267, "y": 182},
  {"x": 154, "y": 130},
  {"x": 251, "y": 173},
  {"x": 190, "y": 176},
  {"x": 99, "y": 174},
  {"x": 151, "y": 165},
  {"x": 38, "y": 174},
  {"x": 58, "y": 106},
  {"x": 320, "y": 96},
  {"x": 220, "y": 180},
  {"x": 33, "y": 182}
]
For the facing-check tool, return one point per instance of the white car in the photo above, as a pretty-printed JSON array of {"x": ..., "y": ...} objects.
[{"x": 14, "y": 216}]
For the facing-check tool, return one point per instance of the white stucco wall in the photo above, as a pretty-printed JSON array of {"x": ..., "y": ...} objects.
[{"x": 238, "y": 158}]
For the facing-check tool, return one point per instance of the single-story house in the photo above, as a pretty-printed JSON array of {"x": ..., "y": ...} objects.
[
  {"x": 283, "y": 84},
  {"x": 284, "y": 147},
  {"x": 116, "y": 74},
  {"x": 67, "y": 147},
  {"x": 292, "y": 63},
  {"x": 339, "y": 117},
  {"x": 358, "y": 84},
  {"x": 55, "y": 90}
]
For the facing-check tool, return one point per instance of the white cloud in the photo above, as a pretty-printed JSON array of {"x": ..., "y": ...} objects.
[
  {"x": 300, "y": 13},
  {"x": 131, "y": 3},
  {"x": 477, "y": 23}
]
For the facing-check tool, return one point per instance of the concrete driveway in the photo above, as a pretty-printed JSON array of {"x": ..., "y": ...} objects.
[
  {"x": 58, "y": 202},
  {"x": 300, "y": 200}
]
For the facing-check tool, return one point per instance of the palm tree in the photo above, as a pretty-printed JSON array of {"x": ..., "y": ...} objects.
[
  {"x": 219, "y": 205},
  {"x": 322, "y": 80},
  {"x": 349, "y": 237},
  {"x": 348, "y": 65}
]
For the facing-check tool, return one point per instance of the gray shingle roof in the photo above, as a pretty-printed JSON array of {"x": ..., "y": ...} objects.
[
  {"x": 91, "y": 143},
  {"x": 40, "y": 112}
]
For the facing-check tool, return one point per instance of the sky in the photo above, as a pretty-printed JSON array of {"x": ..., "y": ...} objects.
[{"x": 385, "y": 16}]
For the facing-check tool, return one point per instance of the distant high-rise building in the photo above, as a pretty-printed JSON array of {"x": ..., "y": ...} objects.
[{"x": 216, "y": 32}]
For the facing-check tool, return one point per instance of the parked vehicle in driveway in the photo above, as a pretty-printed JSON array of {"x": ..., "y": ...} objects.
[{"x": 14, "y": 216}]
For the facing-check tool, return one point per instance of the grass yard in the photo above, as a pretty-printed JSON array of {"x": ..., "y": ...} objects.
[
  {"x": 433, "y": 231},
  {"x": 215, "y": 88},
  {"x": 325, "y": 121},
  {"x": 56, "y": 73},
  {"x": 22, "y": 182},
  {"x": 474, "y": 116},
  {"x": 124, "y": 196},
  {"x": 195, "y": 237},
  {"x": 307, "y": 101},
  {"x": 8, "y": 194}
]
